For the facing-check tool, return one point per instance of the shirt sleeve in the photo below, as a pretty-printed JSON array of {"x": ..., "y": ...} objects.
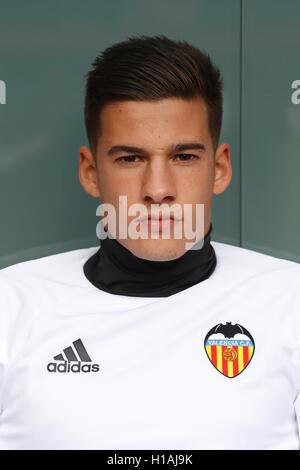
[
  {"x": 3, "y": 337},
  {"x": 296, "y": 351},
  {"x": 11, "y": 326},
  {"x": 297, "y": 400}
]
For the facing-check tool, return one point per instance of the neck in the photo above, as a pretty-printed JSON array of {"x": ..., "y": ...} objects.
[{"x": 115, "y": 269}]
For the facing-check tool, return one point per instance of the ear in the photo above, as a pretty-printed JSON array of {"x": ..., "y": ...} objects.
[
  {"x": 88, "y": 176},
  {"x": 223, "y": 168}
]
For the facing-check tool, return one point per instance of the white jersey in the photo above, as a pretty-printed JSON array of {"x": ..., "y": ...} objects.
[{"x": 214, "y": 366}]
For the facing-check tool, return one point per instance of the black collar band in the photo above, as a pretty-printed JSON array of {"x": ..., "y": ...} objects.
[{"x": 115, "y": 269}]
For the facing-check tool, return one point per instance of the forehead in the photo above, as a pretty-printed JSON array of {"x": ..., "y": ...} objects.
[{"x": 170, "y": 117}]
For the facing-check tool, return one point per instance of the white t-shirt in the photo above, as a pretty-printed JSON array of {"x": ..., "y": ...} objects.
[{"x": 215, "y": 366}]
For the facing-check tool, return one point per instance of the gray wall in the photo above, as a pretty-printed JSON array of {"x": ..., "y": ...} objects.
[{"x": 45, "y": 53}]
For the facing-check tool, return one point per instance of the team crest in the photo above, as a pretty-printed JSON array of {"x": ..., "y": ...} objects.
[{"x": 230, "y": 348}]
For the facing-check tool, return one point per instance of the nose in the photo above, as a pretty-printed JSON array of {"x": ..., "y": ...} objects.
[{"x": 158, "y": 183}]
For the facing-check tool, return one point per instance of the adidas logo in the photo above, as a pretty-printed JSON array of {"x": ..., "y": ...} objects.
[{"x": 71, "y": 360}]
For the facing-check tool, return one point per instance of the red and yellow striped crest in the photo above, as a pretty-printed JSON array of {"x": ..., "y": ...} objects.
[{"x": 229, "y": 355}]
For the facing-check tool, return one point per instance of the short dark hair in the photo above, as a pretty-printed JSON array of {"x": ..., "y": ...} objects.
[{"x": 144, "y": 68}]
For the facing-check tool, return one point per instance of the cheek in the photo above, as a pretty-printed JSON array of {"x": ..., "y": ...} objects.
[
  {"x": 198, "y": 185},
  {"x": 114, "y": 184}
]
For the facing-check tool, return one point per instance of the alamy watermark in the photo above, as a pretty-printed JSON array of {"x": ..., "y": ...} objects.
[
  {"x": 2, "y": 92},
  {"x": 139, "y": 221},
  {"x": 295, "y": 96}
]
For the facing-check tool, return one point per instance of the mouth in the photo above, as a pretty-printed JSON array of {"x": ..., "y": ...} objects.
[
  {"x": 160, "y": 217},
  {"x": 158, "y": 222}
]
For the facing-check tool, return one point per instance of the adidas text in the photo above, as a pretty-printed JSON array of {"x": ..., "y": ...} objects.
[{"x": 65, "y": 366}]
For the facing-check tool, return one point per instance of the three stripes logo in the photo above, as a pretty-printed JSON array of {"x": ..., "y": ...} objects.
[{"x": 74, "y": 359}]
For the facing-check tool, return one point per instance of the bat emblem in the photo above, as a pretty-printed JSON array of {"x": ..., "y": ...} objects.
[{"x": 230, "y": 348}]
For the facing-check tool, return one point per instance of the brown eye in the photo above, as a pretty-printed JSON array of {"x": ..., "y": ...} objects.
[
  {"x": 127, "y": 158},
  {"x": 186, "y": 156}
]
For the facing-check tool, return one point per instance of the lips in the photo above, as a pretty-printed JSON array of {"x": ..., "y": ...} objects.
[{"x": 160, "y": 217}]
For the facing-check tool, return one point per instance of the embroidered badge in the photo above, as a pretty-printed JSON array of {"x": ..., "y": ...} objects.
[{"x": 230, "y": 348}]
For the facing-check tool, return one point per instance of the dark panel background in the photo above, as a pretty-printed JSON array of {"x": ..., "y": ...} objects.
[
  {"x": 270, "y": 181},
  {"x": 46, "y": 49}
]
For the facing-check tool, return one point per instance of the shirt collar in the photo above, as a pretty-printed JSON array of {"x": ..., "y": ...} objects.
[{"x": 115, "y": 269}]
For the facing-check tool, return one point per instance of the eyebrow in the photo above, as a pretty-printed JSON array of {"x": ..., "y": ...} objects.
[{"x": 116, "y": 149}]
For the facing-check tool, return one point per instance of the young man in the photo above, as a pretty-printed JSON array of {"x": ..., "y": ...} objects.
[{"x": 143, "y": 343}]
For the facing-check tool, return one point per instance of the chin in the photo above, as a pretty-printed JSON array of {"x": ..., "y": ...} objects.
[{"x": 158, "y": 250}]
